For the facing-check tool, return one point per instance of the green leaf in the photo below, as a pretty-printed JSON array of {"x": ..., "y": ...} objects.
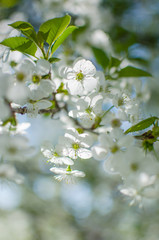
[
  {"x": 53, "y": 60},
  {"x": 114, "y": 62},
  {"x": 142, "y": 125},
  {"x": 8, "y": 3},
  {"x": 62, "y": 37},
  {"x": 26, "y": 29},
  {"x": 20, "y": 44},
  {"x": 130, "y": 71},
  {"x": 50, "y": 30},
  {"x": 76, "y": 34},
  {"x": 101, "y": 57}
]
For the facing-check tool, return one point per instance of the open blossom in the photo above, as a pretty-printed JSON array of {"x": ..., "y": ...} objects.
[
  {"x": 81, "y": 79},
  {"x": 39, "y": 87},
  {"x": 21, "y": 89},
  {"x": 68, "y": 175},
  {"x": 88, "y": 109},
  {"x": 113, "y": 143},
  {"x": 138, "y": 189},
  {"x": 34, "y": 106},
  {"x": 55, "y": 155},
  {"x": 14, "y": 147},
  {"x": 84, "y": 136},
  {"x": 116, "y": 140},
  {"x": 9, "y": 172},
  {"x": 37, "y": 78},
  {"x": 74, "y": 146},
  {"x": 131, "y": 163}
]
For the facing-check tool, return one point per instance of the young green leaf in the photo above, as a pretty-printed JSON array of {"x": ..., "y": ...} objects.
[
  {"x": 114, "y": 62},
  {"x": 142, "y": 125},
  {"x": 50, "y": 30},
  {"x": 26, "y": 29},
  {"x": 20, "y": 44},
  {"x": 8, "y": 3},
  {"x": 130, "y": 71},
  {"x": 101, "y": 57},
  {"x": 62, "y": 37},
  {"x": 53, "y": 60}
]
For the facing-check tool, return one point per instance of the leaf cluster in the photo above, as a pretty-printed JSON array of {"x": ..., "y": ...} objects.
[
  {"x": 107, "y": 63},
  {"x": 53, "y": 32}
]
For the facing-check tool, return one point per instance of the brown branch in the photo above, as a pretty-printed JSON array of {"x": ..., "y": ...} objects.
[{"x": 24, "y": 110}]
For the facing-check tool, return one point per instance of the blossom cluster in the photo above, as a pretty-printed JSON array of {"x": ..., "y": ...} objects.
[{"x": 96, "y": 110}]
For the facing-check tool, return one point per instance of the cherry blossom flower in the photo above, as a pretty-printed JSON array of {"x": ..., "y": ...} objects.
[
  {"x": 113, "y": 143},
  {"x": 9, "y": 172},
  {"x": 138, "y": 189},
  {"x": 34, "y": 106},
  {"x": 37, "y": 78},
  {"x": 88, "y": 109},
  {"x": 55, "y": 155},
  {"x": 131, "y": 163},
  {"x": 68, "y": 175},
  {"x": 74, "y": 147},
  {"x": 81, "y": 79},
  {"x": 16, "y": 149}
]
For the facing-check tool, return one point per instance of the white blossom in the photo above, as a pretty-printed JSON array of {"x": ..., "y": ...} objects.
[
  {"x": 5, "y": 110},
  {"x": 35, "y": 106},
  {"x": 74, "y": 146},
  {"x": 68, "y": 175},
  {"x": 113, "y": 142},
  {"x": 9, "y": 172},
  {"x": 81, "y": 79},
  {"x": 14, "y": 147},
  {"x": 55, "y": 155},
  {"x": 88, "y": 109}
]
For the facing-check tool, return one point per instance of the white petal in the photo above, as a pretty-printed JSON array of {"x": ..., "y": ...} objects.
[
  {"x": 47, "y": 153},
  {"x": 84, "y": 153},
  {"x": 58, "y": 170},
  {"x": 43, "y": 67},
  {"x": 47, "y": 86},
  {"x": 99, "y": 153},
  {"x": 129, "y": 192},
  {"x": 106, "y": 140},
  {"x": 67, "y": 161},
  {"x": 43, "y": 104},
  {"x": 82, "y": 105},
  {"x": 73, "y": 113},
  {"x": 77, "y": 173},
  {"x": 85, "y": 66},
  {"x": 74, "y": 87},
  {"x": 72, "y": 153},
  {"x": 90, "y": 83}
]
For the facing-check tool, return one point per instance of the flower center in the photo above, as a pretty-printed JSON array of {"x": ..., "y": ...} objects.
[
  {"x": 80, "y": 130},
  {"x": 13, "y": 64},
  {"x": 20, "y": 76},
  {"x": 115, "y": 123},
  {"x": 56, "y": 154},
  {"x": 12, "y": 150},
  {"x": 79, "y": 76},
  {"x": 36, "y": 79},
  {"x": 134, "y": 167},
  {"x": 68, "y": 170},
  {"x": 75, "y": 146},
  {"x": 114, "y": 149},
  {"x": 120, "y": 101}
]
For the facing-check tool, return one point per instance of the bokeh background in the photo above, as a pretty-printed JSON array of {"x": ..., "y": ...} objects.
[{"x": 93, "y": 208}]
